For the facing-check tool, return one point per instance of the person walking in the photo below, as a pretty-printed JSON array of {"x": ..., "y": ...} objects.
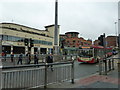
[
  {"x": 50, "y": 60},
  {"x": 28, "y": 58},
  {"x": 20, "y": 59},
  {"x": 36, "y": 58},
  {"x": 12, "y": 56},
  {"x": 5, "y": 56}
]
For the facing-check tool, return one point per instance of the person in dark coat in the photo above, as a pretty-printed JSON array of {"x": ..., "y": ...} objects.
[
  {"x": 28, "y": 55},
  {"x": 50, "y": 60},
  {"x": 12, "y": 56},
  {"x": 5, "y": 56},
  {"x": 20, "y": 59},
  {"x": 36, "y": 58}
]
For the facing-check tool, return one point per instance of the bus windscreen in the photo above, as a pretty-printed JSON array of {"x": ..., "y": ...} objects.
[{"x": 86, "y": 53}]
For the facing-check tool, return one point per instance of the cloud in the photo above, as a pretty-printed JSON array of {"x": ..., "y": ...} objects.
[{"x": 88, "y": 18}]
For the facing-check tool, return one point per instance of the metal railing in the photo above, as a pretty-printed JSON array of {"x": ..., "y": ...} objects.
[
  {"x": 41, "y": 59},
  {"x": 106, "y": 65},
  {"x": 28, "y": 76}
]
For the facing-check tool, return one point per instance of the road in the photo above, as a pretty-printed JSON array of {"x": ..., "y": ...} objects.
[{"x": 85, "y": 69}]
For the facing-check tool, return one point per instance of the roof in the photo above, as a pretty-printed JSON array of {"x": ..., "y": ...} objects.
[
  {"x": 51, "y": 25},
  {"x": 62, "y": 34},
  {"x": 72, "y": 32},
  {"x": 23, "y": 26}
]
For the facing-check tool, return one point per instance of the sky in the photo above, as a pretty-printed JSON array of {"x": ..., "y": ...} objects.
[{"x": 90, "y": 18}]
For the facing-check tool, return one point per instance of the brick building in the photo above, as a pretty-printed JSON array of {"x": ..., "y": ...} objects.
[
  {"x": 96, "y": 42},
  {"x": 110, "y": 41},
  {"x": 71, "y": 39}
]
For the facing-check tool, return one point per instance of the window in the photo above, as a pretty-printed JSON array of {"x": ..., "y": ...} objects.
[
  {"x": 1, "y": 37},
  {"x": 40, "y": 41},
  {"x": 5, "y": 37},
  {"x": 10, "y": 38}
]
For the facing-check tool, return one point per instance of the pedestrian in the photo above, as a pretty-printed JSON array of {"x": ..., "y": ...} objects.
[
  {"x": 5, "y": 56},
  {"x": 28, "y": 55},
  {"x": 20, "y": 59},
  {"x": 50, "y": 60},
  {"x": 36, "y": 58},
  {"x": 12, "y": 56}
]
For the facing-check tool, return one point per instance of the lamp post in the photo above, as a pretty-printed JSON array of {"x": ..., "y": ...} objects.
[
  {"x": 116, "y": 33},
  {"x": 56, "y": 33}
]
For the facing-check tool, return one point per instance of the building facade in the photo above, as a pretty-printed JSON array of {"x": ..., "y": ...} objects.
[
  {"x": 110, "y": 41},
  {"x": 96, "y": 42},
  {"x": 71, "y": 39},
  {"x": 14, "y": 36},
  {"x": 71, "y": 42}
]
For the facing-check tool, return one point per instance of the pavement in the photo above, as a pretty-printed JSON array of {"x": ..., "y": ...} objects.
[
  {"x": 111, "y": 80},
  {"x": 94, "y": 81}
]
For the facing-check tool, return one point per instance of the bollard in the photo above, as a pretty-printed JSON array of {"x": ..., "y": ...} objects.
[
  {"x": 100, "y": 67},
  {"x": 45, "y": 82},
  {"x": 72, "y": 72},
  {"x": 113, "y": 64},
  {"x": 105, "y": 66},
  {"x": 109, "y": 65}
]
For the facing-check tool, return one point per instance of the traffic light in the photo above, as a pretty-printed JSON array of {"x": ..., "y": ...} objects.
[
  {"x": 31, "y": 42},
  {"x": 101, "y": 39},
  {"x": 26, "y": 42}
]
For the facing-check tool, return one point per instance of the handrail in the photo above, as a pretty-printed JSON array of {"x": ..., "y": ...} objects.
[{"x": 34, "y": 65}]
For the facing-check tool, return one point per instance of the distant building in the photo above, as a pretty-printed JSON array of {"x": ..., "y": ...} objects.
[
  {"x": 111, "y": 41},
  {"x": 14, "y": 37},
  {"x": 96, "y": 42},
  {"x": 71, "y": 41}
]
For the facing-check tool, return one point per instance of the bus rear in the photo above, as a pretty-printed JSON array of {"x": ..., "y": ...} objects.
[{"x": 86, "y": 55}]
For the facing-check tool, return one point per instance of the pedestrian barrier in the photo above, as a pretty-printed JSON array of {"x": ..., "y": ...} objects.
[
  {"x": 106, "y": 65},
  {"x": 29, "y": 76},
  {"x": 41, "y": 58}
]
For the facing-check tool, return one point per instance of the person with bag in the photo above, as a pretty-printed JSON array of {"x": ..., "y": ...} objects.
[
  {"x": 12, "y": 56},
  {"x": 20, "y": 59},
  {"x": 35, "y": 58},
  {"x": 50, "y": 60}
]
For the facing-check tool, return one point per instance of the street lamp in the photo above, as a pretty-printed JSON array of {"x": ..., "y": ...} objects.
[
  {"x": 116, "y": 33},
  {"x": 56, "y": 33}
]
